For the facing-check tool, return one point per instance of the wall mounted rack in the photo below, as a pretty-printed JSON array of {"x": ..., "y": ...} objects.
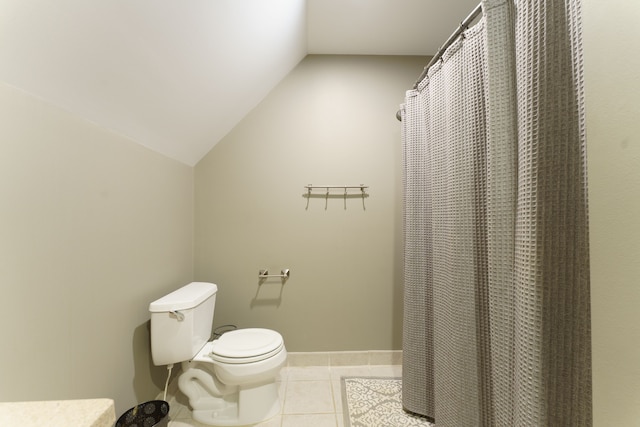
[
  {"x": 327, "y": 193},
  {"x": 328, "y": 188}
]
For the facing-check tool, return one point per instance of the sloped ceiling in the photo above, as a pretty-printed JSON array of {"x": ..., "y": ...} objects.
[{"x": 176, "y": 76}]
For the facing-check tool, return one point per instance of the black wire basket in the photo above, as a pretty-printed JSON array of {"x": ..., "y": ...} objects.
[{"x": 154, "y": 413}]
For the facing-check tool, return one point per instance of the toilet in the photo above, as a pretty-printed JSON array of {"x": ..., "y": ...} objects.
[{"x": 230, "y": 381}]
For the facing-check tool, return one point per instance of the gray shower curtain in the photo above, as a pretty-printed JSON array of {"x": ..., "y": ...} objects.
[{"x": 497, "y": 310}]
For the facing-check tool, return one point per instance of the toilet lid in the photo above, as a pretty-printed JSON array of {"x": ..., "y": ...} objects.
[{"x": 246, "y": 345}]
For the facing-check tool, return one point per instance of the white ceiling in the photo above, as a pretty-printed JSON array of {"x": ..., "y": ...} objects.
[
  {"x": 176, "y": 76},
  {"x": 383, "y": 27}
]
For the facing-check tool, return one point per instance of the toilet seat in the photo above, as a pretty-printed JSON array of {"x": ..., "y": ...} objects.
[{"x": 246, "y": 346}]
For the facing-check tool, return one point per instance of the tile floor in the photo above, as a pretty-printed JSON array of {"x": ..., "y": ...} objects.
[{"x": 310, "y": 394}]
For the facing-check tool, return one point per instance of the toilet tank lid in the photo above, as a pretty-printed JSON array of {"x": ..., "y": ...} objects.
[{"x": 188, "y": 296}]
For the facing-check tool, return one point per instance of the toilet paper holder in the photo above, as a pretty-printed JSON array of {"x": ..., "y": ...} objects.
[{"x": 263, "y": 274}]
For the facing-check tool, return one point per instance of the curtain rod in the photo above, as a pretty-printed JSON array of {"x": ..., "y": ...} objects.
[{"x": 462, "y": 27}]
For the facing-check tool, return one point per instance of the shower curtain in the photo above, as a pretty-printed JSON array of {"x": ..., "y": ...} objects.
[{"x": 497, "y": 311}]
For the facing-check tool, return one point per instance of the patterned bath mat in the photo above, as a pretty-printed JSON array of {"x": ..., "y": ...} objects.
[{"x": 376, "y": 402}]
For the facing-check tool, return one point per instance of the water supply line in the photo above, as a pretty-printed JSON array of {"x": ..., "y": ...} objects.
[{"x": 166, "y": 385}]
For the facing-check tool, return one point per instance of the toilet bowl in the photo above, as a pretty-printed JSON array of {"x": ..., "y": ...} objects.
[
  {"x": 242, "y": 375},
  {"x": 230, "y": 381}
]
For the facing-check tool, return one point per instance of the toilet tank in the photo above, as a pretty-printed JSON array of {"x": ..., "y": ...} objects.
[{"x": 181, "y": 322}]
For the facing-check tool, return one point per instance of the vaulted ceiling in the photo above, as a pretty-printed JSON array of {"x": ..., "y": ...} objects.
[{"x": 176, "y": 76}]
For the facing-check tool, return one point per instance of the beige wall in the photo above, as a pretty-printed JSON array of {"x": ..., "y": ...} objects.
[
  {"x": 331, "y": 121},
  {"x": 612, "y": 41},
  {"x": 92, "y": 228}
]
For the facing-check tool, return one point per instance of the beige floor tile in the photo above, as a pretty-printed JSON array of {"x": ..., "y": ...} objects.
[
  {"x": 336, "y": 387},
  {"x": 349, "y": 371},
  {"x": 273, "y": 422},
  {"x": 311, "y": 420},
  {"x": 308, "y": 373},
  {"x": 307, "y": 397}
]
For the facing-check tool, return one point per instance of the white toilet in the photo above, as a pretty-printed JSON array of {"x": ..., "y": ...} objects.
[{"x": 229, "y": 381}]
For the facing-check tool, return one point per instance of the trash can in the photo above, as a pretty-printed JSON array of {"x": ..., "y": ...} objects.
[{"x": 154, "y": 413}]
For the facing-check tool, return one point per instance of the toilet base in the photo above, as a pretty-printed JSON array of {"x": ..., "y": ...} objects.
[
  {"x": 251, "y": 405},
  {"x": 224, "y": 394}
]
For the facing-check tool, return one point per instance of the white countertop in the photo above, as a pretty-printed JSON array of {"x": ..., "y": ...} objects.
[{"x": 58, "y": 413}]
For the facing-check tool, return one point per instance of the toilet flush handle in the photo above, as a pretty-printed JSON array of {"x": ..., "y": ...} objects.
[{"x": 179, "y": 315}]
